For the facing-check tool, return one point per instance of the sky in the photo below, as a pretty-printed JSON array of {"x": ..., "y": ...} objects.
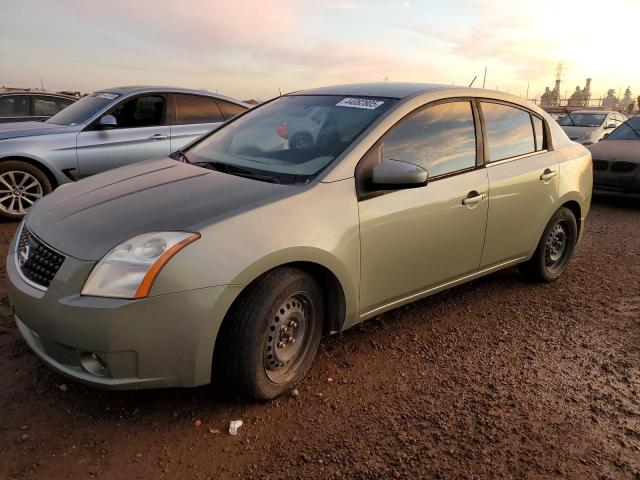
[{"x": 258, "y": 48}]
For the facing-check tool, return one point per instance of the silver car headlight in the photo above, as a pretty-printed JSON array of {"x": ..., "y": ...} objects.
[{"x": 129, "y": 270}]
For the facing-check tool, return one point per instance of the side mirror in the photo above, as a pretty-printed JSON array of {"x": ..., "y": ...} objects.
[
  {"x": 396, "y": 174},
  {"x": 611, "y": 125},
  {"x": 108, "y": 121}
]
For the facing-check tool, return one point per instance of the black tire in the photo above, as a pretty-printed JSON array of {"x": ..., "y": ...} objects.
[
  {"x": 254, "y": 353},
  {"x": 552, "y": 254},
  {"x": 14, "y": 202}
]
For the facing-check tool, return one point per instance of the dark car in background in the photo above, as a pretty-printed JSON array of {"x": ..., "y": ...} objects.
[
  {"x": 616, "y": 159},
  {"x": 31, "y": 106}
]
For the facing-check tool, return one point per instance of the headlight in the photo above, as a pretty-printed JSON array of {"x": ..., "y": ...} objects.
[{"x": 129, "y": 270}]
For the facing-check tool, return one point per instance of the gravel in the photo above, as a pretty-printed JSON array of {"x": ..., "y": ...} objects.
[{"x": 494, "y": 379}]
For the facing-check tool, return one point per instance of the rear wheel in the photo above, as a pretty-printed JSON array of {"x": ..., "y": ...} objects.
[
  {"x": 555, "y": 248},
  {"x": 21, "y": 185},
  {"x": 271, "y": 336}
]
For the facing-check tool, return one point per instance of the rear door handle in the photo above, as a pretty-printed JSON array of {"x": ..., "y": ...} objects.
[
  {"x": 548, "y": 175},
  {"x": 158, "y": 136},
  {"x": 473, "y": 198}
]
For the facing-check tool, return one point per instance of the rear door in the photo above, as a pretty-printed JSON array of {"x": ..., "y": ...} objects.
[
  {"x": 523, "y": 181},
  {"x": 141, "y": 133},
  {"x": 417, "y": 238},
  {"x": 194, "y": 116}
]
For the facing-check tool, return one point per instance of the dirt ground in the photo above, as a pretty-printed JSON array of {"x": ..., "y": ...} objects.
[{"x": 495, "y": 379}]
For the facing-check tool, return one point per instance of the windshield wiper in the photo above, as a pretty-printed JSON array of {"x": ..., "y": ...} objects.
[
  {"x": 180, "y": 156},
  {"x": 571, "y": 118},
  {"x": 238, "y": 171}
]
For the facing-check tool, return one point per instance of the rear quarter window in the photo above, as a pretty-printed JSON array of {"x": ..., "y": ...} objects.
[{"x": 230, "y": 110}]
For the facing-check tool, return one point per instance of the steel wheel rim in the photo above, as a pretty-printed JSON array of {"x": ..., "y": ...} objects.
[
  {"x": 19, "y": 191},
  {"x": 288, "y": 337},
  {"x": 556, "y": 245}
]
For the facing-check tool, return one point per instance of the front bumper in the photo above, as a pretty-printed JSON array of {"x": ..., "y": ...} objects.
[
  {"x": 607, "y": 179},
  {"x": 161, "y": 341}
]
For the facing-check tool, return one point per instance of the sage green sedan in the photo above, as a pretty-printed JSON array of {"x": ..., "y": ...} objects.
[{"x": 237, "y": 254}]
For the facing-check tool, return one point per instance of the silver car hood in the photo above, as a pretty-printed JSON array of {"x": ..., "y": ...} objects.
[
  {"x": 578, "y": 132},
  {"x": 29, "y": 129},
  {"x": 88, "y": 218}
]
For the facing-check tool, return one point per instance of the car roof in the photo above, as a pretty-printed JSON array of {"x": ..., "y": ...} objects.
[
  {"x": 380, "y": 89},
  {"x": 598, "y": 112},
  {"x": 132, "y": 90},
  {"x": 62, "y": 95}
]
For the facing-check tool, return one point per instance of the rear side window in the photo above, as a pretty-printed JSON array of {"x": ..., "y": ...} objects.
[
  {"x": 144, "y": 111},
  {"x": 46, "y": 106},
  {"x": 13, "y": 106},
  {"x": 230, "y": 110},
  {"x": 509, "y": 131},
  {"x": 441, "y": 139},
  {"x": 538, "y": 130},
  {"x": 196, "y": 109}
]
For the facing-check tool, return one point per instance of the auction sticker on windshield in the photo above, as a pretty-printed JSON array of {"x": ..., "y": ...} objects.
[{"x": 367, "y": 103}]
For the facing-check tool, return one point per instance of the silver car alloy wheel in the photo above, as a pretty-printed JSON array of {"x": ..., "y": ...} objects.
[
  {"x": 18, "y": 192},
  {"x": 288, "y": 338}
]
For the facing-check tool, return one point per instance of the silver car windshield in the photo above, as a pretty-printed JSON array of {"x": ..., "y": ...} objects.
[
  {"x": 83, "y": 110},
  {"x": 582, "y": 120},
  {"x": 291, "y": 138}
]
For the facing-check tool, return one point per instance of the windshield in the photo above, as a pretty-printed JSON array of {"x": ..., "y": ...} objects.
[
  {"x": 582, "y": 119},
  {"x": 292, "y": 138},
  {"x": 630, "y": 130},
  {"x": 83, "y": 110}
]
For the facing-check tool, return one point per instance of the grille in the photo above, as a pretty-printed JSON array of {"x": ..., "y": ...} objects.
[
  {"x": 600, "y": 164},
  {"x": 37, "y": 262},
  {"x": 623, "y": 167}
]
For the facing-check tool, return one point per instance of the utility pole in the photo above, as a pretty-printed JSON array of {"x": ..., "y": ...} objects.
[
  {"x": 484, "y": 80},
  {"x": 527, "y": 96},
  {"x": 41, "y": 84}
]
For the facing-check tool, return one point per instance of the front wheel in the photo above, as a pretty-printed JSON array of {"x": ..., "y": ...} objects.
[
  {"x": 555, "y": 248},
  {"x": 21, "y": 186},
  {"x": 271, "y": 336}
]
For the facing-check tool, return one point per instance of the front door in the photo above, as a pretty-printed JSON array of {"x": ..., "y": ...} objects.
[
  {"x": 140, "y": 134},
  {"x": 414, "y": 239}
]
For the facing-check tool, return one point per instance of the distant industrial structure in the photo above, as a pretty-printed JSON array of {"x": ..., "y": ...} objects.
[{"x": 552, "y": 101}]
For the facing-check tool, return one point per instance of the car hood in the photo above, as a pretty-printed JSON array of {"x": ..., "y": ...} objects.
[
  {"x": 87, "y": 219},
  {"x": 29, "y": 129},
  {"x": 616, "y": 150},
  {"x": 578, "y": 132}
]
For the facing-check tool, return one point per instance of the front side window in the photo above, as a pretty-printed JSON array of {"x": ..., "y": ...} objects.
[
  {"x": 83, "y": 110},
  {"x": 441, "y": 139},
  {"x": 509, "y": 131},
  {"x": 44, "y": 106},
  {"x": 196, "y": 109},
  {"x": 13, "y": 106},
  {"x": 146, "y": 111},
  {"x": 291, "y": 138}
]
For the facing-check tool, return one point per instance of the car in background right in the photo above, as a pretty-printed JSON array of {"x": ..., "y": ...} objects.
[
  {"x": 616, "y": 159},
  {"x": 590, "y": 126}
]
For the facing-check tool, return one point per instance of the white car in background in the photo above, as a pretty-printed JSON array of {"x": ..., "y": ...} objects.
[{"x": 590, "y": 126}]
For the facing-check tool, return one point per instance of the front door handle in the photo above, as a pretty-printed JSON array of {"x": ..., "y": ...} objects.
[
  {"x": 548, "y": 174},
  {"x": 473, "y": 198},
  {"x": 158, "y": 136}
]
